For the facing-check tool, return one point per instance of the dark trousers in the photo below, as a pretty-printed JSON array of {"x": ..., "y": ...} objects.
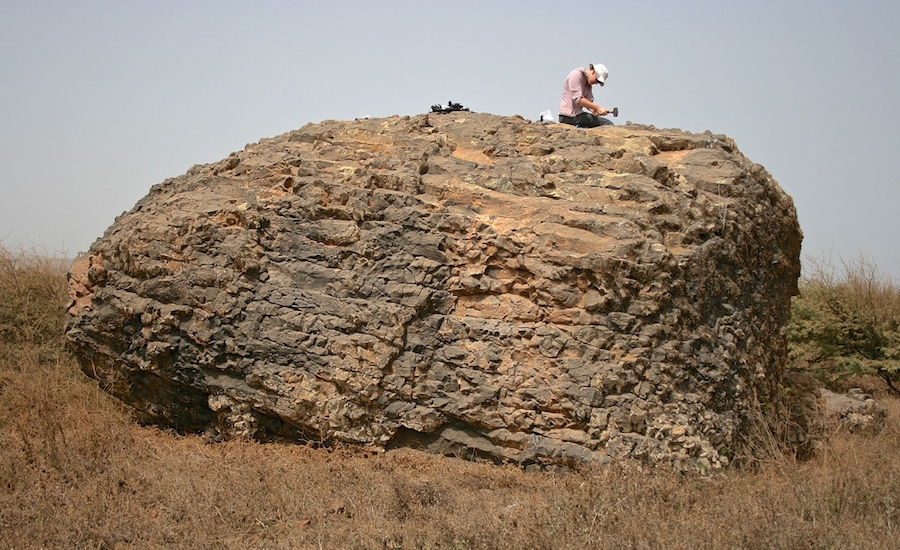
[{"x": 585, "y": 120}]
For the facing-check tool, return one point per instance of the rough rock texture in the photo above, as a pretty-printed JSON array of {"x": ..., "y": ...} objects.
[
  {"x": 466, "y": 283},
  {"x": 854, "y": 411}
]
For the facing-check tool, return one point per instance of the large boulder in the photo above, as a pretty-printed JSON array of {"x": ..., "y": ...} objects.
[{"x": 463, "y": 283}]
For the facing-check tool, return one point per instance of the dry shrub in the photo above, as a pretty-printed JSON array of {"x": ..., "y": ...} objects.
[
  {"x": 32, "y": 299},
  {"x": 77, "y": 472},
  {"x": 846, "y": 323}
]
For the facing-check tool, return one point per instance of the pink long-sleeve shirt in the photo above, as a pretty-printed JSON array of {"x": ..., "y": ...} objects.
[{"x": 575, "y": 87}]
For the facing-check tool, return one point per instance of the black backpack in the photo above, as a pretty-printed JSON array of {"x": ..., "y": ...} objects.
[{"x": 448, "y": 108}]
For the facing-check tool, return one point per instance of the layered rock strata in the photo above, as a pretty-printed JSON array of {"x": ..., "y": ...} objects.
[{"x": 464, "y": 283}]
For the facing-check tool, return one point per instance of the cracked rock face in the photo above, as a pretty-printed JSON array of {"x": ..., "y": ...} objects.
[{"x": 463, "y": 283}]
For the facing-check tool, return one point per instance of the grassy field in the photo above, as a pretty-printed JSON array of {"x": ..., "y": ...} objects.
[{"x": 77, "y": 472}]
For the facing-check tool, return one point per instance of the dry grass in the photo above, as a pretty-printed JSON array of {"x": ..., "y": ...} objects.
[
  {"x": 32, "y": 301},
  {"x": 77, "y": 472}
]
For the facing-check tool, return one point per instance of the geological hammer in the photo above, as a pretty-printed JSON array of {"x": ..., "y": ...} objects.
[{"x": 615, "y": 111}]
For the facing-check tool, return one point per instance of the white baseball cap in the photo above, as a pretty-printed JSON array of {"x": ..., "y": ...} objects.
[{"x": 601, "y": 71}]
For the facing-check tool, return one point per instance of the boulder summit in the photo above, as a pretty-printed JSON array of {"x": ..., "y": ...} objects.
[{"x": 463, "y": 283}]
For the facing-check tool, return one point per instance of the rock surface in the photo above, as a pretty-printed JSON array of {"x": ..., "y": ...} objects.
[
  {"x": 854, "y": 411},
  {"x": 463, "y": 283}
]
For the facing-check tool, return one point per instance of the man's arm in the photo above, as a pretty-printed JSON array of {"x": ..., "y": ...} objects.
[{"x": 598, "y": 110}]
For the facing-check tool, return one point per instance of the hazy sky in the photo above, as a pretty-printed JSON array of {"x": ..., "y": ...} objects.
[{"x": 100, "y": 100}]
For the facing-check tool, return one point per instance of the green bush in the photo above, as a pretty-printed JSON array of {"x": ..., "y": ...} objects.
[{"x": 846, "y": 323}]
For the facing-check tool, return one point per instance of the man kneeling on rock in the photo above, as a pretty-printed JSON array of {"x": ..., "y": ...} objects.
[{"x": 577, "y": 95}]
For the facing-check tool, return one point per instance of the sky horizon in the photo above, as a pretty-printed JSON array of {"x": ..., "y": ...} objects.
[{"x": 100, "y": 101}]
